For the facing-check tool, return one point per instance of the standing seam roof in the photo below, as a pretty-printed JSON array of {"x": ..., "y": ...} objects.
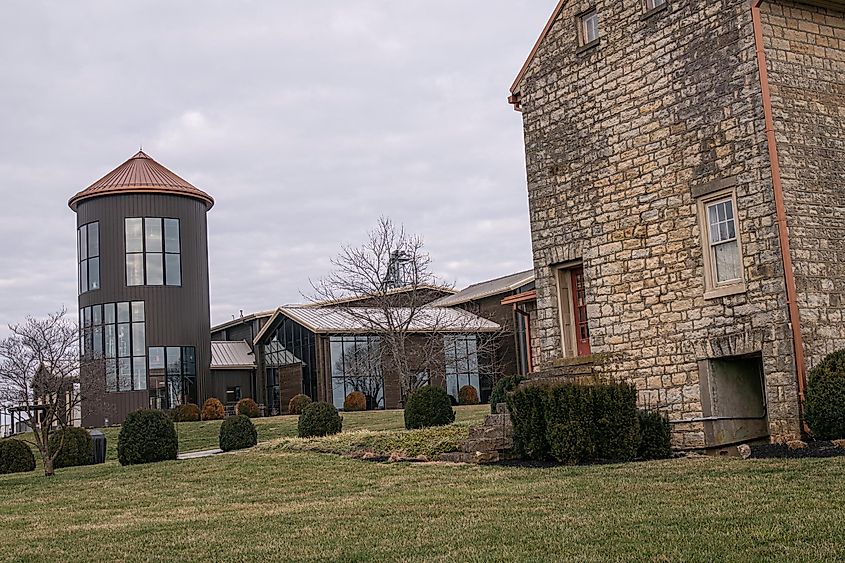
[{"x": 141, "y": 174}]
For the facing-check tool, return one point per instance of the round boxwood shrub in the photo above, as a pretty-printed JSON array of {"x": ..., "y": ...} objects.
[
  {"x": 213, "y": 409},
  {"x": 355, "y": 401},
  {"x": 655, "y": 436},
  {"x": 186, "y": 413},
  {"x": 428, "y": 406},
  {"x": 319, "y": 419},
  {"x": 15, "y": 457},
  {"x": 237, "y": 433},
  {"x": 468, "y": 395},
  {"x": 504, "y": 386},
  {"x": 825, "y": 398},
  {"x": 146, "y": 436},
  {"x": 75, "y": 447},
  {"x": 247, "y": 407},
  {"x": 298, "y": 403}
]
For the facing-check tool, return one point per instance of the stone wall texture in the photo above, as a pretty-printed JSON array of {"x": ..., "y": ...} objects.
[
  {"x": 620, "y": 136},
  {"x": 805, "y": 50}
]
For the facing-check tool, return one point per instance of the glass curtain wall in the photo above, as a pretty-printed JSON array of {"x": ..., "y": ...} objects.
[
  {"x": 116, "y": 333},
  {"x": 461, "y": 367},
  {"x": 356, "y": 366},
  {"x": 173, "y": 376},
  {"x": 291, "y": 343}
]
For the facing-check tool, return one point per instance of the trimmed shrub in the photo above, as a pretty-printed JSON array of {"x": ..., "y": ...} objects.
[
  {"x": 527, "y": 408},
  {"x": 428, "y": 406},
  {"x": 146, "y": 436},
  {"x": 75, "y": 449},
  {"x": 616, "y": 420},
  {"x": 319, "y": 419},
  {"x": 15, "y": 457},
  {"x": 655, "y": 442},
  {"x": 237, "y": 433},
  {"x": 355, "y": 401},
  {"x": 297, "y": 403},
  {"x": 213, "y": 409},
  {"x": 825, "y": 398},
  {"x": 186, "y": 413},
  {"x": 468, "y": 395},
  {"x": 247, "y": 407},
  {"x": 504, "y": 386},
  {"x": 575, "y": 423}
]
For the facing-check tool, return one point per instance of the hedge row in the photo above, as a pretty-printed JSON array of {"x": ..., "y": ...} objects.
[{"x": 574, "y": 423}]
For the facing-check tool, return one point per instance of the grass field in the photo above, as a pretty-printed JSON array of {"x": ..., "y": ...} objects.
[{"x": 270, "y": 504}]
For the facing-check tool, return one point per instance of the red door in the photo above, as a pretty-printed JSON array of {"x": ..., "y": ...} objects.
[{"x": 579, "y": 298}]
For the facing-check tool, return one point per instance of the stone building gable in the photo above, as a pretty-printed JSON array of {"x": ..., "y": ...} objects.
[
  {"x": 805, "y": 52},
  {"x": 618, "y": 140}
]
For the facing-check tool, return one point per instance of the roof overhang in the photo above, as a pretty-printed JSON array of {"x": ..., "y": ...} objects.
[
  {"x": 74, "y": 202},
  {"x": 520, "y": 298}
]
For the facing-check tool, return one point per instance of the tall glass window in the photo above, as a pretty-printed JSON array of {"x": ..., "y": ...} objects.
[
  {"x": 116, "y": 333},
  {"x": 356, "y": 366},
  {"x": 173, "y": 376},
  {"x": 153, "y": 251},
  {"x": 88, "y": 237},
  {"x": 293, "y": 344},
  {"x": 461, "y": 352}
]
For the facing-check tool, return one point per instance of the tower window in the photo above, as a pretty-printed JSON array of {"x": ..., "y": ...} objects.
[
  {"x": 588, "y": 27},
  {"x": 88, "y": 237},
  {"x": 153, "y": 251},
  {"x": 116, "y": 334}
]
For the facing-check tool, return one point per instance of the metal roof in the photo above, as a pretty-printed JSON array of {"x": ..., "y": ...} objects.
[
  {"x": 235, "y": 354},
  {"x": 364, "y": 320},
  {"x": 486, "y": 289},
  {"x": 244, "y": 319},
  {"x": 140, "y": 174},
  {"x": 392, "y": 291}
]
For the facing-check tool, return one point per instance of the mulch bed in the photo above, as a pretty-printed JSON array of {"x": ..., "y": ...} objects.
[{"x": 819, "y": 448}]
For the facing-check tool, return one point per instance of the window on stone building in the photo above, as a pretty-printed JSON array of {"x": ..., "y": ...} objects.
[
  {"x": 654, "y": 4},
  {"x": 588, "y": 27},
  {"x": 723, "y": 270},
  {"x": 572, "y": 307}
]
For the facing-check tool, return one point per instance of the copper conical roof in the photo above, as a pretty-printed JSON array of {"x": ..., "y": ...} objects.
[{"x": 140, "y": 174}]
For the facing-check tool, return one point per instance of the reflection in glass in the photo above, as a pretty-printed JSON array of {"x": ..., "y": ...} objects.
[
  {"x": 134, "y": 234},
  {"x": 173, "y": 269},
  {"x": 152, "y": 228},
  {"x": 171, "y": 235},
  {"x": 134, "y": 269},
  {"x": 155, "y": 269}
]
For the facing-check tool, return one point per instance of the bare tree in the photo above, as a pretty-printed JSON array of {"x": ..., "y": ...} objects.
[
  {"x": 39, "y": 377},
  {"x": 385, "y": 286}
]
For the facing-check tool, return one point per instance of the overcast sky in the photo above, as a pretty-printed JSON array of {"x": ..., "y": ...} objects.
[{"x": 304, "y": 120}]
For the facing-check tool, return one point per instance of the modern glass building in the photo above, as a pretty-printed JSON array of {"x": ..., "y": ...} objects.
[{"x": 143, "y": 290}]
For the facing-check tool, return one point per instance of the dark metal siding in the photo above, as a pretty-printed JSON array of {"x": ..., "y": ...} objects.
[{"x": 175, "y": 316}]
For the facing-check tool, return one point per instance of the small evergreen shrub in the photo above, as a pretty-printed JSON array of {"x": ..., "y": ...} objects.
[
  {"x": 237, "y": 433},
  {"x": 428, "y": 406},
  {"x": 468, "y": 395},
  {"x": 213, "y": 409},
  {"x": 355, "y": 401},
  {"x": 146, "y": 436},
  {"x": 15, "y": 457},
  {"x": 527, "y": 408},
  {"x": 319, "y": 419},
  {"x": 75, "y": 449},
  {"x": 825, "y": 398},
  {"x": 655, "y": 436},
  {"x": 247, "y": 407},
  {"x": 188, "y": 412},
  {"x": 297, "y": 403},
  {"x": 504, "y": 386},
  {"x": 575, "y": 423}
]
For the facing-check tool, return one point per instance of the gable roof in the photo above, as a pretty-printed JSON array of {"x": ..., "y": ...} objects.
[
  {"x": 393, "y": 291},
  {"x": 336, "y": 320},
  {"x": 514, "y": 97},
  {"x": 244, "y": 319},
  {"x": 486, "y": 289},
  {"x": 140, "y": 174},
  {"x": 234, "y": 354}
]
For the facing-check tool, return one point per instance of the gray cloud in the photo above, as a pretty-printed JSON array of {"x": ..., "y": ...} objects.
[{"x": 305, "y": 121}]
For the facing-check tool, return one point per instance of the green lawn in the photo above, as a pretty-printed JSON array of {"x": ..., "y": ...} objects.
[
  {"x": 274, "y": 502},
  {"x": 198, "y": 436}
]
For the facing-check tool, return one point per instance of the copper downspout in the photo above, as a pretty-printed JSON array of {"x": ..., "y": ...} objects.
[{"x": 780, "y": 207}]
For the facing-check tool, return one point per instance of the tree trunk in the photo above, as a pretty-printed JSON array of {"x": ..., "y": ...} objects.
[{"x": 49, "y": 471}]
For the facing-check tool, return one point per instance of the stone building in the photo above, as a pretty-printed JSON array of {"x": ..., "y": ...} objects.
[{"x": 686, "y": 182}]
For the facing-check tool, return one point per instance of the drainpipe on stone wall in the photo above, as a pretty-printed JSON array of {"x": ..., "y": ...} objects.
[{"x": 780, "y": 208}]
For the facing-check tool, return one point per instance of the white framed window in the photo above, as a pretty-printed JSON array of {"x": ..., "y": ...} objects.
[
  {"x": 722, "y": 248},
  {"x": 653, "y": 4},
  {"x": 588, "y": 27}
]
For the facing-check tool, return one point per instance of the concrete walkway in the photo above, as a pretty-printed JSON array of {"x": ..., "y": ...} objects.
[{"x": 197, "y": 455}]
